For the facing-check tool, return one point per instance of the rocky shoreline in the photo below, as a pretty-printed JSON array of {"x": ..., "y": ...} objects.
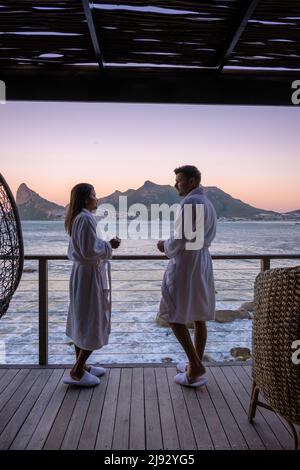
[{"x": 244, "y": 312}]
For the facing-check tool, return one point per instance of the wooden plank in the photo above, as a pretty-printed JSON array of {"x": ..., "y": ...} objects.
[
  {"x": 183, "y": 424},
  {"x": 167, "y": 419},
  {"x": 248, "y": 370},
  {"x": 15, "y": 399},
  {"x": 280, "y": 431},
  {"x": 72, "y": 435},
  {"x": 233, "y": 432},
  {"x": 137, "y": 411},
  {"x": 106, "y": 428},
  {"x": 43, "y": 428},
  {"x": 212, "y": 419},
  {"x": 7, "y": 378},
  {"x": 90, "y": 428},
  {"x": 152, "y": 419},
  {"x": 121, "y": 433},
  {"x": 33, "y": 410},
  {"x": 267, "y": 436},
  {"x": 249, "y": 432},
  {"x": 26, "y": 431},
  {"x": 201, "y": 432},
  {"x": 10, "y": 386},
  {"x": 12, "y": 428},
  {"x": 2, "y": 373},
  {"x": 60, "y": 425}
]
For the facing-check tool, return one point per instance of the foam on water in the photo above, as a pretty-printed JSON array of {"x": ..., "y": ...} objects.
[{"x": 136, "y": 337}]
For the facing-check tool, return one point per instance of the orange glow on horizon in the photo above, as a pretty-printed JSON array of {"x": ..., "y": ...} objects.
[{"x": 249, "y": 152}]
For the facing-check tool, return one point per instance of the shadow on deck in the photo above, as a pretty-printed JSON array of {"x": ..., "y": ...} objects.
[{"x": 134, "y": 407}]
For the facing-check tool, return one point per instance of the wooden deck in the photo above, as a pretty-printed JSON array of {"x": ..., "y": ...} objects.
[{"x": 134, "y": 407}]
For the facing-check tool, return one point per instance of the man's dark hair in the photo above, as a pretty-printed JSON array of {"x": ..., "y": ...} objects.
[{"x": 189, "y": 171}]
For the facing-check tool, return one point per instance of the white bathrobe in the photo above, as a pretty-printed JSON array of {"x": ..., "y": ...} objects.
[
  {"x": 188, "y": 291},
  {"x": 88, "y": 323}
]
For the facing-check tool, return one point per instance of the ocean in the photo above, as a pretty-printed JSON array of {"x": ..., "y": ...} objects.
[{"x": 135, "y": 336}]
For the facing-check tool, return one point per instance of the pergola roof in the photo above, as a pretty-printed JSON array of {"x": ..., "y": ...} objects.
[{"x": 212, "y": 51}]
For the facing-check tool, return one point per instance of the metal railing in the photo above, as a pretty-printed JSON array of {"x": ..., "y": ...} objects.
[{"x": 265, "y": 264}]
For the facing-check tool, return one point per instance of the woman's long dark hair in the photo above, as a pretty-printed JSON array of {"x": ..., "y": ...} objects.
[{"x": 79, "y": 195}]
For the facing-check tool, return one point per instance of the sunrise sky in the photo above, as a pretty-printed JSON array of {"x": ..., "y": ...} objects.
[{"x": 250, "y": 152}]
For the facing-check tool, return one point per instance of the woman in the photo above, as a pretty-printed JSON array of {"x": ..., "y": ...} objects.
[{"x": 88, "y": 323}]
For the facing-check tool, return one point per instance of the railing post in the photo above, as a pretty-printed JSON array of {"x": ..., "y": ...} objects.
[
  {"x": 43, "y": 311},
  {"x": 265, "y": 263}
]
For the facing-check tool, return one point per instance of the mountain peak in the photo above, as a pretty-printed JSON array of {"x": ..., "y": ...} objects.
[
  {"x": 34, "y": 207},
  {"x": 24, "y": 194},
  {"x": 149, "y": 184},
  {"x": 23, "y": 186}
]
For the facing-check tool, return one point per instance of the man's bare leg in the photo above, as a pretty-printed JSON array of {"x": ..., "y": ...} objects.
[
  {"x": 195, "y": 368},
  {"x": 200, "y": 337}
]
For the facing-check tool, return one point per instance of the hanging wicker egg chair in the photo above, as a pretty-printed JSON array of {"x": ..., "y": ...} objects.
[{"x": 11, "y": 246}]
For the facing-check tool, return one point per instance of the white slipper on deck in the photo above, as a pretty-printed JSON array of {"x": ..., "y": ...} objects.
[
  {"x": 97, "y": 371},
  {"x": 182, "y": 379},
  {"x": 182, "y": 366},
  {"x": 87, "y": 380}
]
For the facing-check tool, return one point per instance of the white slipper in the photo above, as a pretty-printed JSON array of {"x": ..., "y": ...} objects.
[
  {"x": 87, "y": 380},
  {"x": 182, "y": 366},
  {"x": 97, "y": 371},
  {"x": 182, "y": 379}
]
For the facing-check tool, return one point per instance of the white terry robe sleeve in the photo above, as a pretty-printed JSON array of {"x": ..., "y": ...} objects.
[
  {"x": 175, "y": 244},
  {"x": 90, "y": 246},
  {"x": 189, "y": 219}
]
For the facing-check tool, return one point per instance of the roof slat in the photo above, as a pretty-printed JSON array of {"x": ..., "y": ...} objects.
[
  {"x": 237, "y": 32},
  {"x": 93, "y": 33}
]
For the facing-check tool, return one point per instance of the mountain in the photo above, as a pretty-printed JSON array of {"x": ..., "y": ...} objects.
[
  {"x": 228, "y": 206},
  {"x": 34, "y": 207},
  {"x": 293, "y": 213},
  {"x": 151, "y": 193}
]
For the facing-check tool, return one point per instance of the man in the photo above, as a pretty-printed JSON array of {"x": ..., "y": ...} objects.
[{"x": 188, "y": 292}]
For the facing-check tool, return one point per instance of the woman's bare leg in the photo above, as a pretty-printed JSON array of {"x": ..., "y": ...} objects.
[
  {"x": 77, "y": 351},
  {"x": 78, "y": 369}
]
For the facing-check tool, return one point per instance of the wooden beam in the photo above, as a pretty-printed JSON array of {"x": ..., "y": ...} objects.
[
  {"x": 137, "y": 87},
  {"x": 237, "y": 32},
  {"x": 93, "y": 33}
]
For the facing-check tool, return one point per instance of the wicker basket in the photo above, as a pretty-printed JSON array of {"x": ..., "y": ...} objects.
[{"x": 276, "y": 325}]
